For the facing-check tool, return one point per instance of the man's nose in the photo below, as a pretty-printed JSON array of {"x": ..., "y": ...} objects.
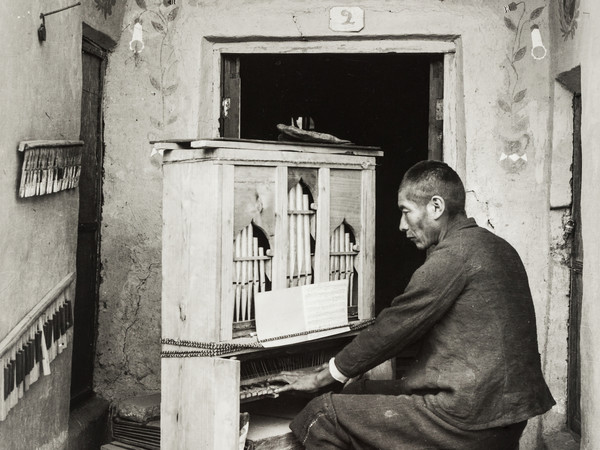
[{"x": 403, "y": 225}]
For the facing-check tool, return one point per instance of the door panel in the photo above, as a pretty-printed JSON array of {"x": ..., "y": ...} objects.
[
  {"x": 436, "y": 110},
  {"x": 231, "y": 83},
  {"x": 88, "y": 241},
  {"x": 574, "y": 363}
]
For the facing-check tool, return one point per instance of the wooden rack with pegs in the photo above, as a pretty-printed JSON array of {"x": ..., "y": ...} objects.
[
  {"x": 49, "y": 167},
  {"x": 28, "y": 350}
]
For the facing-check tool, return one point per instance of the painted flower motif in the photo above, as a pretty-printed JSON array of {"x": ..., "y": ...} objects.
[
  {"x": 516, "y": 136},
  {"x": 514, "y": 155},
  {"x": 568, "y": 12},
  {"x": 105, "y": 6}
]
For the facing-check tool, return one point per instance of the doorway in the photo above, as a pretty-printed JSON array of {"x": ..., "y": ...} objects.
[
  {"x": 90, "y": 207},
  {"x": 372, "y": 99}
]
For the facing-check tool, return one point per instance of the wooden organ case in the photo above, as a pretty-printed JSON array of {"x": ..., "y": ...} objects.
[{"x": 242, "y": 217}]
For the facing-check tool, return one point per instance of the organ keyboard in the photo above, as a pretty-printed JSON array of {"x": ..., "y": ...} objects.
[{"x": 242, "y": 217}]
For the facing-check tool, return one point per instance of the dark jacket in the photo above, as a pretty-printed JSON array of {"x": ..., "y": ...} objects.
[{"x": 470, "y": 307}]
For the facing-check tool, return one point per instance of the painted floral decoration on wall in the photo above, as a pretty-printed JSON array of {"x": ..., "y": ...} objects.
[
  {"x": 568, "y": 12},
  {"x": 160, "y": 18},
  {"x": 513, "y": 155},
  {"x": 105, "y": 6}
]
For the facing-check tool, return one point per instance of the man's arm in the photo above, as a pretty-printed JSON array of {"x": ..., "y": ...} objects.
[{"x": 432, "y": 290}]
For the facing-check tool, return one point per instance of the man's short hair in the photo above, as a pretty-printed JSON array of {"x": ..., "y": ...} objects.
[{"x": 428, "y": 178}]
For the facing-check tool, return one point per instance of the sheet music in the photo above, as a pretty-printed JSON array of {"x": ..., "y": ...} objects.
[{"x": 292, "y": 315}]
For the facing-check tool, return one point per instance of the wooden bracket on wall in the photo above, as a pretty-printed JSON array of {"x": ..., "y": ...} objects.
[{"x": 49, "y": 166}]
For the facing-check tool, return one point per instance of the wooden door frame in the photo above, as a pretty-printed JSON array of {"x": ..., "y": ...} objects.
[
  {"x": 97, "y": 44},
  {"x": 454, "y": 134},
  {"x": 576, "y": 281}
]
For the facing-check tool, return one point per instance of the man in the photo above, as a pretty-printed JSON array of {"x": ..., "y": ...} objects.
[{"x": 476, "y": 379}]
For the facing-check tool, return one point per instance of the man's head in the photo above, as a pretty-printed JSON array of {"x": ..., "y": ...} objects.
[{"x": 430, "y": 196}]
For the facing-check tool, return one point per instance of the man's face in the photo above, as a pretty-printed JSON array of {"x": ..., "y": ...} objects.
[{"x": 417, "y": 221}]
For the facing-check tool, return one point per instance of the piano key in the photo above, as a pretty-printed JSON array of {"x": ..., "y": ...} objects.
[{"x": 48, "y": 333}]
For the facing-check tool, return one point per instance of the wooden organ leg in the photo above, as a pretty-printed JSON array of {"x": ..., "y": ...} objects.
[
  {"x": 307, "y": 255},
  {"x": 299, "y": 234}
]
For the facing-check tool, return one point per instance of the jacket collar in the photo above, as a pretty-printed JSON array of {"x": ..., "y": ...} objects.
[{"x": 460, "y": 224}]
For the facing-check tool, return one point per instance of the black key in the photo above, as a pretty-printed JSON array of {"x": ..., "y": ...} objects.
[
  {"x": 56, "y": 326},
  {"x": 62, "y": 320},
  {"x": 6, "y": 381},
  {"x": 68, "y": 308},
  {"x": 48, "y": 333},
  {"x": 31, "y": 355},
  {"x": 19, "y": 367},
  {"x": 26, "y": 356},
  {"x": 38, "y": 346},
  {"x": 11, "y": 376}
]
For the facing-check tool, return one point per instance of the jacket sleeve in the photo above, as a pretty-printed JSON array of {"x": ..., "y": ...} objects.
[{"x": 432, "y": 290}]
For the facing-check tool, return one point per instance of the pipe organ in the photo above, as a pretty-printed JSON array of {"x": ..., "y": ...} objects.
[{"x": 239, "y": 218}]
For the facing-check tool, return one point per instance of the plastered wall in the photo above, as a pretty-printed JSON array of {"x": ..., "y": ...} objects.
[
  {"x": 575, "y": 38},
  {"x": 168, "y": 91},
  {"x": 41, "y": 95}
]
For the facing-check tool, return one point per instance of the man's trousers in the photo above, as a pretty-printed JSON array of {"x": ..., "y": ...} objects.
[{"x": 366, "y": 416}]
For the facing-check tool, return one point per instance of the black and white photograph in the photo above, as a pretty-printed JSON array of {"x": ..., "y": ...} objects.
[{"x": 299, "y": 224}]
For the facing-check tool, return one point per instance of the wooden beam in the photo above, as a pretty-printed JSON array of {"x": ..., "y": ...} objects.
[
  {"x": 323, "y": 224},
  {"x": 366, "y": 276}
]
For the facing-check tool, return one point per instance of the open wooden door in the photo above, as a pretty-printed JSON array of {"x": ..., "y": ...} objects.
[
  {"x": 574, "y": 359},
  {"x": 436, "y": 110},
  {"x": 231, "y": 84},
  {"x": 90, "y": 205}
]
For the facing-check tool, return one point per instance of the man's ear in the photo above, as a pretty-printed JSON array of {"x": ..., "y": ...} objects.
[{"x": 436, "y": 206}]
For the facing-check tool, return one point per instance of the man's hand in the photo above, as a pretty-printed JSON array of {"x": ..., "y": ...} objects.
[{"x": 304, "y": 380}]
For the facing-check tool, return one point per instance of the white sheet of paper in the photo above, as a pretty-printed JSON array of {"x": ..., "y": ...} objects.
[{"x": 299, "y": 310}]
